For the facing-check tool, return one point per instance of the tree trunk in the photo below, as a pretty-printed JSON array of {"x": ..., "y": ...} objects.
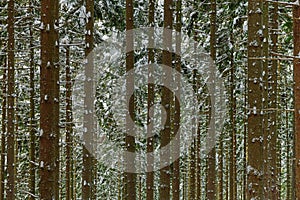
[
  {"x": 3, "y": 128},
  {"x": 32, "y": 130},
  {"x": 255, "y": 91},
  {"x": 265, "y": 100},
  {"x": 3, "y": 60},
  {"x": 192, "y": 157},
  {"x": 296, "y": 19},
  {"x": 151, "y": 91},
  {"x": 176, "y": 145},
  {"x": 274, "y": 155},
  {"x": 69, "y": 126},
  {"x": 49, "y": 105},
  {"x": 11, "y": 103},
  {"x": 130, "y": 178},
  {"x": 233, "y": 177},
  {"x": 164, "y": 188},
  {"x": 211, "y": 157},
  {"x": 89, "y": 124}
]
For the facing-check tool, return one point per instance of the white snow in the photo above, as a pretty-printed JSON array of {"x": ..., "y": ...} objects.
[
  {"x": 42, "y": 164},
  {"x": 254, "y": 110}
]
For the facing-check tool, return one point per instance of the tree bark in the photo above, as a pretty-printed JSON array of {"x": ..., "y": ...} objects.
[
  {"x": 151, "y": 94},
  {"x": 255, "y": 91},
  {"x": 3, "y": 118},
  {"x": 164, "y": 188},
  {"x": 89, "y": 124},
  {"x": 265, "y": 100},
  {"x": 69, "y": 127},
  {"x": 274, "y": 155},
  {"x": 11, "y": 102},
  {"x": 176, "y": 125},
  {"x": 49, "y": 104},
  {"x": 3, "y": 128},
  {"x": 233, "y": 177},
  {"x": 296, "y": 27},
  {"x": 211, "y": 157},
  {"x": 130, "y": 178},
  {"x": 32, "y": 129}
]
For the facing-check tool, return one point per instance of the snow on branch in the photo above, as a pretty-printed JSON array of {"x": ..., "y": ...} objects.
[{"x": 296, "y": 3}]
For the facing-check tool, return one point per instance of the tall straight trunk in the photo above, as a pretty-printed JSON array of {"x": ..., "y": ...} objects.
[
  {"x": 184, "y": 179},
  {"x": 56, "y": 92},
  {"x": 49, "y": 104},
  {"x": 245, "y": 139},
  {"x": 233, "y": 177},
  {"x": 164, "y": 188},
  {"x": 227, "y": 171},
  {"x": 3, "y": 60},
  {"x": 176, "y": 145},
  {"x": 289, "y": 163},
  {"x": 199, "y": 161},
  {"x": 150, "y": 127},
  {"x": 220, "y": 174},
  {"x": 130, "y": 178},
  {"x": 94, "y": 178},
  {"x": 11, "y": 103},
  {"x": 274, "y": 155},
  {"x": 296, "y": 28},
  {"x": 192, "y": 157},
  {"x": 192, "y": 170},
  {"x": 211, "y": 158},
  {"x": 198, "y": 151},
  {"x": 87, "y": 171},
  {"x": 69, "y": 127},
  {"x": 32, "y": 129},
  {"x": 255, "y": 91},
  {"x": 56, "y": 99},
  {"x": 265, "y": 99},
  {"x": 233, "y": 172}
]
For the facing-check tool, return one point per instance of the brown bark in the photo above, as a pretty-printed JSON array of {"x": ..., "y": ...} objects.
[
  {"x": 265, "y": 97},
  {"x": 177, "y": 81},
  {"x": 11, "y": 103},
  {"x": 198, "y": 163},
  {"x": 130, "y": 178},
  {"x": 274, "y": 155},
  {"x": 192, "y": 157},
  {"x": 49, "y": 105},
  {"x": 32, "y": 129},
  {"x": 89, "y": 124},
  {"x": 150, "y": 141},
  {"x": 184, "y": 180},
  {"x": 211, "y": 157},
  {"x": 197, "y": 85},
  {"x": 3, "y": 121},
  {"x": 3, "y": 128},
  {"x": 296, "y": 28},
  {"x": 233, "y": 177},
  {"x": 255, "y": 91},
  {"x": 164, "y": 188},
  {"x": 245, "y": 139},
  {"x": 69, "y": 127},
  {"x": 192, "y": 173},
  {"x": 289, "y": 164}
]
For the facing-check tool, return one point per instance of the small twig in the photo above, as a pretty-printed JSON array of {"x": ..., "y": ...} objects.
[
  {"x": 67, "y": 45},
  {"x": 296, "y": 3},
  {"x": 272, "y": 58},
  {"x": 34, "y": 196},
  {"x": 287, "y": 56},
  {"x": 272, "y": 109}
]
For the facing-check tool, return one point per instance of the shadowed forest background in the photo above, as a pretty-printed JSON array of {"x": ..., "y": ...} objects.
[{"x": 255, "y": 46}]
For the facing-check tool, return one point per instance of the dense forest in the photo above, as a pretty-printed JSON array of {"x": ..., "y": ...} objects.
[{"x": 165, "y": 99}]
